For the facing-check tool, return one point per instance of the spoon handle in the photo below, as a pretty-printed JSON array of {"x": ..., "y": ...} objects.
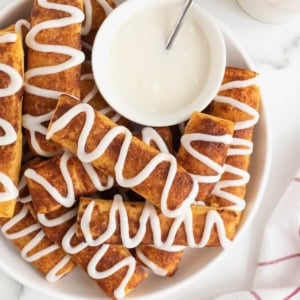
[{"x": 178, "y": 24}]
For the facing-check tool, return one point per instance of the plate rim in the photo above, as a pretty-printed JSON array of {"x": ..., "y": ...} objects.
[{"x": 228, "y": 35}]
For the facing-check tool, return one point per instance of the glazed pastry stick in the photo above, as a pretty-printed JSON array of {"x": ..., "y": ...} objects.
[
  {"x": 11, "y": 91},
  {"x": 163, "y": 262},
  {"x": 53, "y": 66},
  {"x": 203, "y": 150},
  {"x": 111, "y": 148},
  {"x": 27, "y": 235},
  {"x": 56, "y": 182},
  {"x": 238, "y": 101},
  {"x": 112, "y": 267},
  {"x": 134, "y": 223}
]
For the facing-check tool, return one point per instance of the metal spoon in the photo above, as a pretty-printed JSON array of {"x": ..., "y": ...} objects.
[{"x": 178, "y": 24}]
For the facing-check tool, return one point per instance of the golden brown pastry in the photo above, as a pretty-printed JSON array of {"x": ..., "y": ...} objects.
[
  {"x": 111, "y": 148},
  {"x": 95, "y": 13},
  {"x": 27, "y": 235},
  {"x": 11, "y": 92},
  {"x": 53, "y": 66},
  {"x": 90, "y": 94},
  {"x": 203, "y": 150},
  {"x": 163, "y": 262},
  {"x": 134, "y": 223},
  {"x": 58, "y": 181},
  {"x": 21, "y": 26},
  {"x": 238, "y": 101},
  {"x": 112, "y": 267}
]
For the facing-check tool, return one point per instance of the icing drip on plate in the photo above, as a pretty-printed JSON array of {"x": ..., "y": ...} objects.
[{"x": 241, "y": 146}]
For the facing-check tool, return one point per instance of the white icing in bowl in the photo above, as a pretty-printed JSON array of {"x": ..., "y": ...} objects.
[{"x": 142, "y": 80}]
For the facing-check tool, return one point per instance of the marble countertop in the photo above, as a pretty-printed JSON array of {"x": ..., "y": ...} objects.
[{"x": 275, "y": 51}]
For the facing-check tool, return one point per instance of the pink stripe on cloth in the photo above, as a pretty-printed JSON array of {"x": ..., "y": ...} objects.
[
  {"x": 278, "y": 260},
  {"x": 297, "y": 179},
  {"x": 255, "y": 295},
  {"x": 292, "y": 294}
]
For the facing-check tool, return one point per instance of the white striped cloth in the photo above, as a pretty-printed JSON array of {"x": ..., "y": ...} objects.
[{"x": 278, "y": 269}]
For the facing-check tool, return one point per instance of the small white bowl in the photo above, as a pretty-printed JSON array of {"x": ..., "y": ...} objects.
[{"x": 213, "y": 74}]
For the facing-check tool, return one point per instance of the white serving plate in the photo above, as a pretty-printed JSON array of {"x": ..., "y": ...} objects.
[{"x": 196, "y": 261}]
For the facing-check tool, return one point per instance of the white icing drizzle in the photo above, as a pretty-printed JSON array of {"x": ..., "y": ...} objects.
[
  {"x": 241, "y": 146},
  {"x": 92, "y": 266},
  {"x": 20, "y": 23},
  {"x": 88, "y": 10},
  {"x": 106, "y": 110},
  {"x": 126, "y": 262},
  {"x": 8, "y": 38},
  {"x": 172, "y": 248},
  {"x": 149, "y": 214},
  {"x": 10, "y": 135},
  {"x": 149, "y": 134},
  {"x": 186, "y": 142},
  {"x": 105, "y": 142},
  {"x": 150, "y": 264},
  {"x": 239, "y": 203},
  {"x": 238, "y": 84},
  {"x": 22, "y": 184},
  {"x": 58, "y": 220},
  {"x": 69, "y": 199},
  {"x": 107, "y": 8},
  {"x": 87, "y": 46},
  {"x": 10, "y": 190},
  {"x": 32, "y": 244},
  {"x": 34, "y": 123},
  {"x": 16, "y": 80},
  {"x": 94, "y": 90},
  {"x": 76, "y": 56},
  {"x": 53, "y": 275},
  {"x": 16, "y": 219},
  {"x": 66, "y": 242}
]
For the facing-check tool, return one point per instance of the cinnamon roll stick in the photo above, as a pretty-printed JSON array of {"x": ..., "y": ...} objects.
[
  {"x": 163, "y": 262},
  {"x": 27, "y": 235},
  {"x": 58, "y": 181},
  {"x": 112, "y": 267},
  {"x": 134, "y": 223},
  {"x": 111, "y": 148},
  {"x": 203, "y": 150},
  {"x": 239, "y": 102},
  {"x": 11, "y": 92},
  {"x": 53, "y": 66}
]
